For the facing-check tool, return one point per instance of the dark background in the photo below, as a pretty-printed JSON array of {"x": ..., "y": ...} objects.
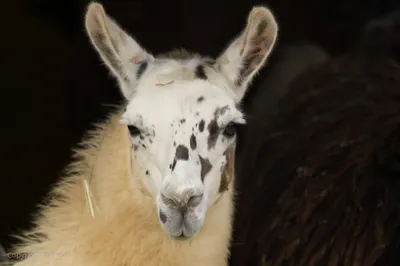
[{"x": 54, "y": 86}]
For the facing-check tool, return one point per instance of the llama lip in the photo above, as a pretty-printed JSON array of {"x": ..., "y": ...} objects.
[
  {"x": 181, "y": 212},
  {"x": 181, "y": 225},
  {"x": 181, "y": 237}
]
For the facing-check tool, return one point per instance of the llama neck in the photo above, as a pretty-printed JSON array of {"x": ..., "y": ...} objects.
[
  {"x": 126, "y": 223},
  {"x": 115, "y": 178}
]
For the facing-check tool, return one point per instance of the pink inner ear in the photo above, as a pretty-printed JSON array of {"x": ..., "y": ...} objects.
[
  {"x": 136, "y": 58},
  {"x": 247, "y": 53}
]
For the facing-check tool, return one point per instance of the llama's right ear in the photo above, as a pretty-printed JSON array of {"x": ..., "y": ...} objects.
[
  {"x": 124, "y": 57},
  {"x": 245, "y": 55}
]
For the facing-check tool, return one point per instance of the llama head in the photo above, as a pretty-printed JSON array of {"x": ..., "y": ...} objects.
[{"x": 182, "y": 112}]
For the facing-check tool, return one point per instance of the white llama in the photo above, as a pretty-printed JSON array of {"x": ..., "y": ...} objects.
[{"x": 160, "y": 170}]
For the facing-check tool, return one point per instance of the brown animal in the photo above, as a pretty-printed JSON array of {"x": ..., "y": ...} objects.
[
  {"x": 322, "y": 182},
  {"x": 288, "y": 62}
]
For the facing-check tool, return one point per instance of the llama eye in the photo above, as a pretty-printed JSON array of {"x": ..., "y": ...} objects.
[
  {"x": 133, "y": 130},
  {"x": 230, "y": 130}
]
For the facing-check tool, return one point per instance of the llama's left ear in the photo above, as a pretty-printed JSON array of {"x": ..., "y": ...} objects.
[
  {"x": 124, "y": 57},
  {"x": 247, "y": 53}
]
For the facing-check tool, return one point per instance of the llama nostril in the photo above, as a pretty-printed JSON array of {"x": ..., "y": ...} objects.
[
  {"x": 194, "y": 201},
  {"x": 163, "y": 217},
  {"x": 169, "y": 202}
]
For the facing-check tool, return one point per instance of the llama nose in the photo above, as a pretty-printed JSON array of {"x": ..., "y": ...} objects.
[{"x": 182, "y": 203}]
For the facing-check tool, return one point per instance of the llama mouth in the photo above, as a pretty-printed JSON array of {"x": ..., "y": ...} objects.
[
  {"x": 179, "y": 226},
  {"x": 181, "y": 237}
]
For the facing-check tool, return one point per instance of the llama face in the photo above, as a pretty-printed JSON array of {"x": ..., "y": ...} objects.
[
  {"x": 182, "y": 113},
  {"x": 181, "y": 138}
]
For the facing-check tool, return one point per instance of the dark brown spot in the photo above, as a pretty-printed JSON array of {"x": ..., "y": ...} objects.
[
  {"x": 182, "y": 153},
  {"x": 142, "y": 67},
  {"x": 213, "y": 130},
  {"x": 228, "y": 170},
  {"x": 141, "y": 137},
  {"x": 201, "y": 125},
  {"x": 134, "y": 131},
  {"x": 183, "y": 121},
  {"x": 205, "y": 167},
  {"x": 221, "y": 111},
  {"x": 173, "y": 165},
  {"x": 163, "y": 217},
  {"x": 200, "y": 99},
  {"x": 193, "y": 143},
  {"x": 200, "y": 73},
  {"x": 144, "y": 146},
  {"x": 147, "y": 172}
]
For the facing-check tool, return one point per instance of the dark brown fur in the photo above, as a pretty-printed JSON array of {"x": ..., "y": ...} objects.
[{"x": 320, "y": 183}]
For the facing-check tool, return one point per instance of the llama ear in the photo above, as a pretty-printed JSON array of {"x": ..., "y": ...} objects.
[
  {"x": 124, "y": 57},
  {"x": 247, "y": 53}
]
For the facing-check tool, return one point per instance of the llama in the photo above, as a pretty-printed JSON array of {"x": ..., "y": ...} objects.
[
  {"x": 285, "y": 65},
  {"x": 323, "y": 180},
  {"x": 158, "y": 174}
]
